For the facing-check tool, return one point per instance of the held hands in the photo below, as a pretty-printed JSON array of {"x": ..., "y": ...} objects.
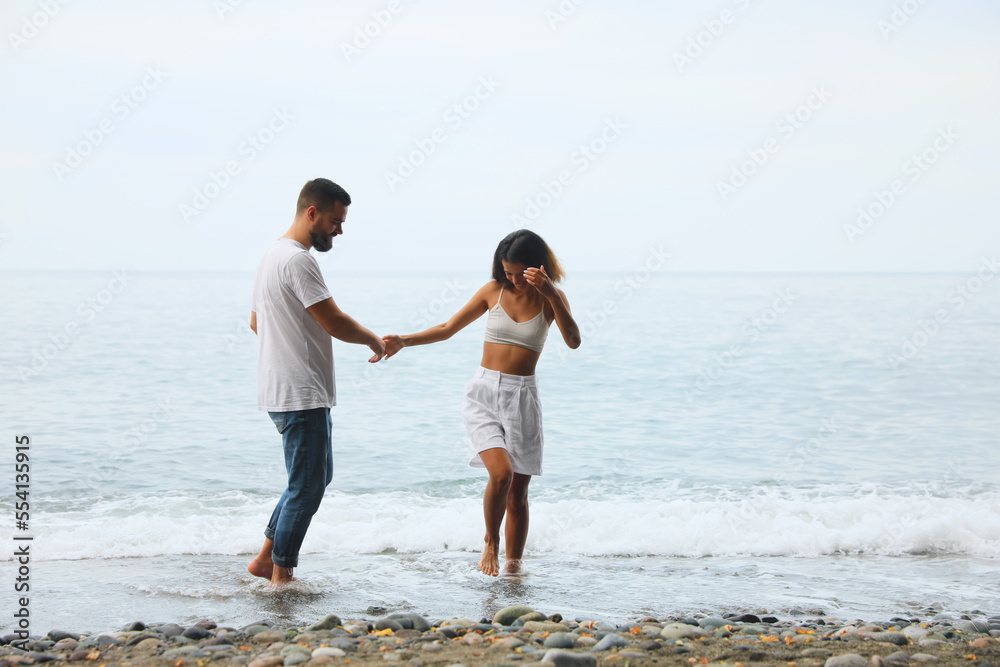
[
  {"x": 377, "y": 346},
  {"x": 538, "y": 279},
  {"x": 393, "y": 344}
]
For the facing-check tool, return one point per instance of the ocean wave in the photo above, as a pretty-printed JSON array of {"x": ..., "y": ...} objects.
[{"x": 758, "y": 521}]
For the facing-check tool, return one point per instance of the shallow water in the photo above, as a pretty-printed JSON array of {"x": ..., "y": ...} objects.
[{"x": 703, "y": 450}]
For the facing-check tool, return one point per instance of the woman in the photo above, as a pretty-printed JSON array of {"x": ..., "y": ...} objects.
[{"x": 502, "y": 412}]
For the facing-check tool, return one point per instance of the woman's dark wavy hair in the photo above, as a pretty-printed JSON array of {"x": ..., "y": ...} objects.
[{"x": 525, "y": 247}]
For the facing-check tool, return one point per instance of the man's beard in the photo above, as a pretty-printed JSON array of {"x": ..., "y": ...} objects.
[{"x": 321, "y": 242}]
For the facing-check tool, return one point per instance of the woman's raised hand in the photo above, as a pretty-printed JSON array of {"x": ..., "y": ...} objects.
[
  {"x": 538, "y": 279},
  {"x": 393, "y": 344}
]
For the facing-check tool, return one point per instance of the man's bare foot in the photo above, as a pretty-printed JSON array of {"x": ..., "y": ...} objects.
[
  {"x": 512, "y": 566},
  {"x": 281, "y": 577},
  {"x": 490, "y": 562},
  {"x": 261, "y": 566}
]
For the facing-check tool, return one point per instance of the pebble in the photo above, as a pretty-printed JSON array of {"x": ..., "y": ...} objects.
[
  {"x": 57, "y": 635},
  {"x": 565, "y": 640},
  {"x": 41, "y": 656},
  {"x": 267, "y": 661},
  {"x": 609, "y": 641},
  {"x": 632, "y": 655},
  {"x": 356, "y": 628},
  {"x": 296, "y": 658},
  {"x": 268, "y": 637},
  {"x": 847, "y": 660},
  {"x": 171, "y": 630},
  {"x": 196, "y": 633},
  {"x": 179, "y": 652},
  {"x": 586, "y": 642},
  {"x": 897, "y": 638},
  {"x": 816, "y": 653},
  {"x": 508, "y": 615},
  {"x": 509, "y": 643},
  {"x": 85, "y": 654},
  {"x": 399, "y": 655},
  {"x": 923, "y": 657},
  {"x": 562, "y": 658},
  {"x": 745, "y": 618},
  {"x": 328, "y": 652},
  {"x": 328, "y": 623},
  {"x": 544, "y": 626},
  {"x": 533, "y": 616},
  {"x": 712, "y": 623},
  {"x": 416, "y": 621},
  {"x": 682, "y": 631},
  {"x": 387, "y": 624},
  {"x": 148, "y": 644},
  {"x": 473, "y": 639}
]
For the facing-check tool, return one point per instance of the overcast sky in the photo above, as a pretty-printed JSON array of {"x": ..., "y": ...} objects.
[{"x": 738, "y": 135}]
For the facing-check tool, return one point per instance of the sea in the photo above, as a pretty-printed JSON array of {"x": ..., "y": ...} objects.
[{"x": 796, "y": 444}]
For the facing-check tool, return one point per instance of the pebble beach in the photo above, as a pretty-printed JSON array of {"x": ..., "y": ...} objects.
[{"x": 519, "y": 636}]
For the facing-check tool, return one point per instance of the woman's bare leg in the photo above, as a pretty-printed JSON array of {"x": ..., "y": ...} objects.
[
  {"x": 516, "y": 530},
  {"x": 494, "y": 505}
]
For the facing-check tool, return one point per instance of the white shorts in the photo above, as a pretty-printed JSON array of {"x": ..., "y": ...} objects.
[{"x": 502, "y": 410}]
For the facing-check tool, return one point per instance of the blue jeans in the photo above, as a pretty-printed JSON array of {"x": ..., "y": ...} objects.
[{"x": 307, "y": 438}]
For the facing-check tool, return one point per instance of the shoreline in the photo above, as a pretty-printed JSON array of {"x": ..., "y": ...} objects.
[{"x": 520, "y": 636}]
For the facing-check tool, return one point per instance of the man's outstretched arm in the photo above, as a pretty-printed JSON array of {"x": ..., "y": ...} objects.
[
  {"x": 253, "y": 321},
  {"x": 343, "y": 327}
]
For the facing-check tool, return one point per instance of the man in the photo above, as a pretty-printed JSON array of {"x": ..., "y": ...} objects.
[{"x": 294, "y": 317}]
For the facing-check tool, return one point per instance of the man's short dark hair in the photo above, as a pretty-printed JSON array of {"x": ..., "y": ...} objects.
[{"x": 321, "y": 193}]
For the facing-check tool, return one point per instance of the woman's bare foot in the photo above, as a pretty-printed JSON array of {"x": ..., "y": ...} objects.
[
  {"x": 490, "y": 562},
  {"x": 512, "y": 566}
]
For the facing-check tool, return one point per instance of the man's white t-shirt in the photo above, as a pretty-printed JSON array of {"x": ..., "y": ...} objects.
[{"x": 294, "y": 353}]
